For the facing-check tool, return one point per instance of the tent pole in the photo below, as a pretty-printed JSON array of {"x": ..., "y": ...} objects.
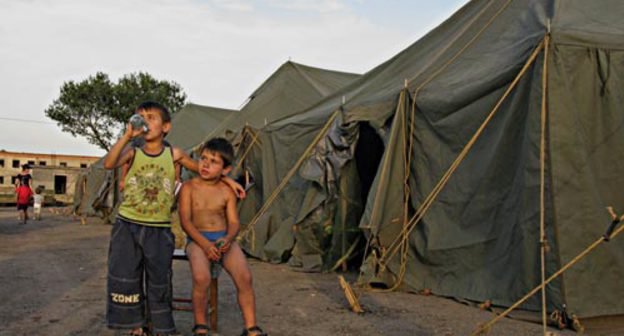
[
  {"x": 543, "y": 239},
  {"x": 343, "y": 238},
  {"x": 408, "y": 148}
]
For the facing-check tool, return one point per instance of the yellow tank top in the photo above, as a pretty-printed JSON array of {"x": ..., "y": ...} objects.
[{"x": 149, "y": 189}]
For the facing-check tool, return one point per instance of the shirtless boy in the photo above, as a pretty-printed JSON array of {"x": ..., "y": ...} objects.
[{"x": 208, "y": 214}]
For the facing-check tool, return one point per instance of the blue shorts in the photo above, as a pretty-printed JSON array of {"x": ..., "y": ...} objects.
[{"x": 212, "y": 236}]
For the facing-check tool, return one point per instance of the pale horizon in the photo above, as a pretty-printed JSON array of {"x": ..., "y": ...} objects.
[{"x": 218, "y": 51}]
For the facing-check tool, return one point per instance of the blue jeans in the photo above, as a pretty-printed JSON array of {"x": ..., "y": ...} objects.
[{"x": 139, "y": 255}]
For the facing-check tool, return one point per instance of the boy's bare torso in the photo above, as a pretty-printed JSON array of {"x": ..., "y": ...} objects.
[{"x": 208, "y": 204}]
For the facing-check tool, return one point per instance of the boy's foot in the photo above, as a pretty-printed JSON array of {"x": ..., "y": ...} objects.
[
  {"x": 138, "y": 332},
  {"x": 200, "y": 329},
  {"x": 253, "y": 331}
]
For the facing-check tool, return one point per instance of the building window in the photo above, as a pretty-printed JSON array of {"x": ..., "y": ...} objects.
[
  {"x": 31, "y": 163},
  {"x": 42, "y": 163},
  {"x": 60, "y": 184},
  {"x": 13, "y": 180},
  {"x": 1, "y": 179},
  {"x": 63, "y": 164},
  {"x": 1, "y": 162},
  {"x": 83, "y": 165},
  {"x": 15, "y": 163}
]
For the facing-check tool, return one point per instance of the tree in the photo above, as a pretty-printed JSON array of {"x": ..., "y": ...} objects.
[{"x": 96, "y": 107}]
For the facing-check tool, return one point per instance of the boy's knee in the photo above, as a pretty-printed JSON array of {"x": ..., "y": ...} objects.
[
  {"x": 245, "y": 279},
  {"x": 201, "y": 280}
]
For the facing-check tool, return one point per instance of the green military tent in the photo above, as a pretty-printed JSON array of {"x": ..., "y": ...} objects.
[
  {"x": 192, "y": 122},
  {"x": 93, "y": 190},
  {"x": 504, "y": 121},
  {"x": 292, "y": 88}
]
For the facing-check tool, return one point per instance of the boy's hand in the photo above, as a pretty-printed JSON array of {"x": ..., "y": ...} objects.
[
  {"x": 239, "y": 191},
  {"x": 211, "y": 251},
  {"x": 131, "y": 132},
  {"x": 225, "y": 245}
]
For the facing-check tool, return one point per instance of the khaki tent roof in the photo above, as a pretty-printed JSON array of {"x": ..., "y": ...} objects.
[
  {"x": 192, "y": 122},
  {"x": 290, "y": 89}
]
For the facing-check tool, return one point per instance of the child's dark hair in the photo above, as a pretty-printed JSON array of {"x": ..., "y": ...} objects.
[
  {"x": 25, "y": 166},
  {"x": 148, "y": 105},
  {"x": 221, "y": 147}
]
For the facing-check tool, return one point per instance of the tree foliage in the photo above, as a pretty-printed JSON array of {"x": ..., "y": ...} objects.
[{"x": 96, "y": 108}]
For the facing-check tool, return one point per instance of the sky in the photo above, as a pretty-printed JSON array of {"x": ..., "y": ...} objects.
[{"x": 219, "y": 51}]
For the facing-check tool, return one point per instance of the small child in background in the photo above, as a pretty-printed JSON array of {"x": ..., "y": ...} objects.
[
  {"x": 38, "y": 202},
  {"x": 23, "y": 194}
]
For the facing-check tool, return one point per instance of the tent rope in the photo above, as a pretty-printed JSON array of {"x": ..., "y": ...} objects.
[
  {"x": 346, "y": 256},
  {"x": 404, "y": 235},
  {"x": 461, "y": 51},
  {"x": 250, "y": 227},
  {"x": 543, "y": 239},
  {"x": 254, "y": 140},
  {"x": 483, "y": 328}
]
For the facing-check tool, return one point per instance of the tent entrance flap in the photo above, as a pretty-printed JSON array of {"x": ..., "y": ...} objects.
[
  {"x": 361, "y": 170},
  {"x": 368, "y": 154}
]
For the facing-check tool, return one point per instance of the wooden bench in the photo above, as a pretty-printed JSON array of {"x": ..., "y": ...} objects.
[{"x": 180, "y": 254}]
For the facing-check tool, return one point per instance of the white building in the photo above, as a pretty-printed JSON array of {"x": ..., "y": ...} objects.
[{"x": 56, "y": 173}]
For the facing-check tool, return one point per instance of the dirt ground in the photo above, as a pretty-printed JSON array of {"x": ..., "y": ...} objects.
[{"x": 53, "y": 282}]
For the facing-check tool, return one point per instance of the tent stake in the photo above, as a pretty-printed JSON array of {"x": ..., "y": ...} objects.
[{"x": 350, "y": 295}]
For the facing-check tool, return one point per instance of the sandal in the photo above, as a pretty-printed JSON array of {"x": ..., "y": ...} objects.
[
  {"x": 255, "y": 330},
  {"x": 139, "y": 332},
  {"x": 198, "y": 327}
]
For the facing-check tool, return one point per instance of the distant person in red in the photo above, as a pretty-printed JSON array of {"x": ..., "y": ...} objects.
[
  {"x": 24, "y": 178},
  {"x": 24, "y": 193}
]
